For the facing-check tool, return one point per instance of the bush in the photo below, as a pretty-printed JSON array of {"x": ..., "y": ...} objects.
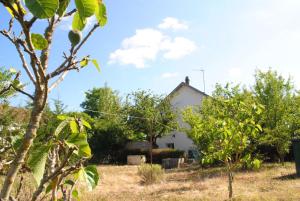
[
  {"x": 150, "y": 173},
  {"x": 157, "y": 154}
]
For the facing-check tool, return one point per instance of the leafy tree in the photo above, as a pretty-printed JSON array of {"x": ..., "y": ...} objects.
[
  {"x": 35, "y": 47},
  {"x": 151, "y": 115},
  {"x": 223, "y": 128},
  {"x": 8, "y": 79},
  {"x": 276, "y": 95},
  {"x": 102, "y": 103},
  {"x": 57, "y": 162},
  {"x": 110, "y": 132},
  {"x": 11, "y": 119}
]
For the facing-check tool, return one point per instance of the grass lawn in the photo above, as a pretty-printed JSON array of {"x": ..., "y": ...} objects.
[
  {"x": 121, "y": 183},
  {"x": 272, "y": 182}
]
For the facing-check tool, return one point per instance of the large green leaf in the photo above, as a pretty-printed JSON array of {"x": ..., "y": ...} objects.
[
  {"x": 63, "y": 124},
  {"x": 74, "y": 126},
  {"x": 86, "y": 8},
  {"x": 90, "y": 175},
  {"x": 100, "y": 14},
  {"x": 86, "y": 124},
  {"x": 79, "y": 141},
  {"x": 38, "y": 41},
  {"x": 42, "y": 8},
  {"x": 95, "y": 62},
  {"x": 63, "y": 4},
  {"x": 84, "y": 62},
  {"x": 78, "y": 22},
  {"x": 37, "y": 161}
]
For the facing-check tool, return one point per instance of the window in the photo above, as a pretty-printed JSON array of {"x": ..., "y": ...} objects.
[{"x": 170, "y": 145}]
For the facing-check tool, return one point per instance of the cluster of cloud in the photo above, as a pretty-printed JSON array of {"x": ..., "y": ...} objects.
[
  {"x": 148, "y": 43},
  {"x": 169, "y": 75}
]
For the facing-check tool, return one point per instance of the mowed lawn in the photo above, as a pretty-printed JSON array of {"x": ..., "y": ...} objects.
[{"x": 272, "y": 182}]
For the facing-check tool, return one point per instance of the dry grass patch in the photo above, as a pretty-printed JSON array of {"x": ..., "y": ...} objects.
[
  {"x": 122, "y": 183},
  {"x": 272, "y": 182}
]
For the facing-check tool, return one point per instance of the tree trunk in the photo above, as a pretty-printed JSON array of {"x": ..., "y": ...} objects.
[
  {"x": 35, "y": 117},
  {"x": 230, "y": 180}
]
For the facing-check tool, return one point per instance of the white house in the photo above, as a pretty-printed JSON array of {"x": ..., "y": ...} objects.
[{"x": 184, "y": 95}]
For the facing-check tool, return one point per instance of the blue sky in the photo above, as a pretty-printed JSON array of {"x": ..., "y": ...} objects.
[{"x": 155, "y": 44}]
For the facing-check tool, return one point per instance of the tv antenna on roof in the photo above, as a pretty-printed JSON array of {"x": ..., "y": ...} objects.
[{"x": 202, "y": 70}]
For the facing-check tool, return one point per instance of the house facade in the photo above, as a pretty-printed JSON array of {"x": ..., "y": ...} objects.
[{"x": 183, "y": 96}]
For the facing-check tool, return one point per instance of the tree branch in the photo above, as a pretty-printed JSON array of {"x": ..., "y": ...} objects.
[
  {"x": 23, "y": 92},
  {"x": 70, "y": 13},
  {"x": 25, "y": 66},
  {"x": 51, "y": 176},
  {"x": 73, "y": 52}
]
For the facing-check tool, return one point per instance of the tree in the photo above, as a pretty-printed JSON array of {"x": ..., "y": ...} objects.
[
  {"x": 35, "y": 47},
  {"x": 223, "y": 128},
  {"x": 101, "y": 103},
  {"x": 150, "y": 114},
  {"x": 12, "y": 120},
  {"x": 8, "y": 79},
  {"x": 110, "y": 131},
  {"x": 276, "y": 95}
]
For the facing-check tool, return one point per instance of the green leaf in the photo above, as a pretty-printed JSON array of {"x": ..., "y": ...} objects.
[
  {"x": 70, "y": 182},
  {"x": 62, "y": 125},
  {"x": 79, "y": 141},
  {"x": 84, "y": 62},
  {"x": 96, "y": 64},
  {"x": 90, "y": 175},
  {"x": 100, "y": 14},
  {"x": 75, "y": 194},
  {"x": 14, "y": 5},
  {"x": 42, "y": 8},
  {"x": 38, "y": 41},
  {"x": 74, "y": 126},
  {"x": 86, "y": 8},
  {"x": 37, "y": 161},
  {"x": 86, "y": 124},
  {"x": 63, "y": 4},
  {"x": 62, "y": 117},
  {"x": 78, "y": 22}
]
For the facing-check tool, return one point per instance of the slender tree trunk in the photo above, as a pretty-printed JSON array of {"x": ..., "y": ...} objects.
[
  {"x": 230, "y": 180},
  {"x": 36, "y": 114}
]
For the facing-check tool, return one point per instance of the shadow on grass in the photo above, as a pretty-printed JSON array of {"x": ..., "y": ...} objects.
[{"x": 287, "y": 177}]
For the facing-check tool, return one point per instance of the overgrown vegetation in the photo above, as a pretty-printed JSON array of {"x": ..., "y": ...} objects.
[
  {"x": 150, "y": 173},
  {"x": 36, "y": 48}
]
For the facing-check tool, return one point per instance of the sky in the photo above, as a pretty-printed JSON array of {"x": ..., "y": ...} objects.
[{"x": 155, "y": 44}]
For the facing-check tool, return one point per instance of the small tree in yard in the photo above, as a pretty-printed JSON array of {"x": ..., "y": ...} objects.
[
  {"x": 151, "y": 115},
  {"x": 276, "y": 95},
  {"x": 223, "y": 128},
  {"x": 35, "y": 47}
]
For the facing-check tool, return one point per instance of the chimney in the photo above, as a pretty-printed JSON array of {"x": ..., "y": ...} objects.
[{"x": 187, "y": 80}]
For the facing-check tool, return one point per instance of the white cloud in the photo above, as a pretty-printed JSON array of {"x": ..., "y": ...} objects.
[
  {"x": 172, "y": 23},
  {"x": 138, "y": 49},
  {"x": 147, "y": 44},
  {"x": 178, "y": 48},
  {"x": 169, "y": 75},
  {"x": 235, "y": 72}
]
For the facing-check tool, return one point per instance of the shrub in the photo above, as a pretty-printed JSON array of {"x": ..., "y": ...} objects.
[
  {"x": 150, "y": 173},
  {"x": 157, "y": 154}
]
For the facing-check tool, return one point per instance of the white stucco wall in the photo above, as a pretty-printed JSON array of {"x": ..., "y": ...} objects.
[{"x": 184, "y": 97}]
